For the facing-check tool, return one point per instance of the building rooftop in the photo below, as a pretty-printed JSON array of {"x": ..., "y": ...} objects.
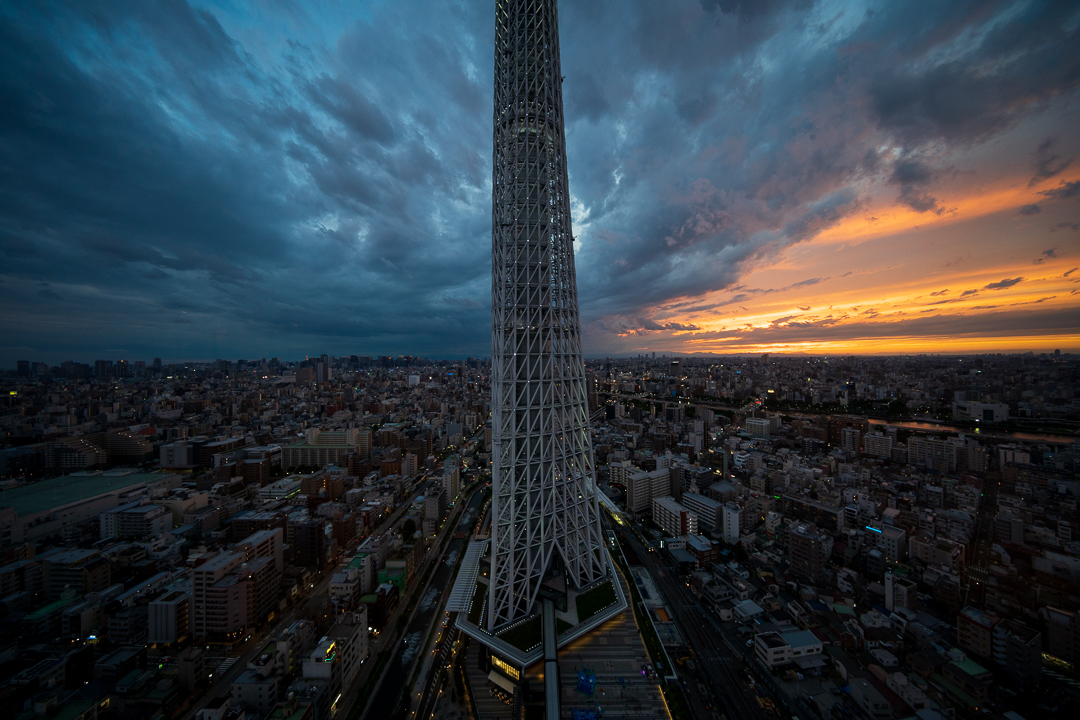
[
  {"x": 978, "y": 616},
  {"x": 970, "y": 667},
  {"x": 772, "y": 640},
  {"x": 73, "y": 556},
  {"x": 55, "y": 492},
  {"x": 801, "y": 638},
  {"x": 702, "y": 500},
  {"x": 50, "y": 608}
]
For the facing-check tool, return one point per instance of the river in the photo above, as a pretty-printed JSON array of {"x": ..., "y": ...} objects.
[{"x": 989, "y": 433}]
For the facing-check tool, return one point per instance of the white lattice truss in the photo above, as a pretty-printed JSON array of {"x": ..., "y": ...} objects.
[{"x": 543, "y": 498}]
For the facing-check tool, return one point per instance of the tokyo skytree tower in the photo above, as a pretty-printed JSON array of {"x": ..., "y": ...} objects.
[{"x": 546, "y": 522}]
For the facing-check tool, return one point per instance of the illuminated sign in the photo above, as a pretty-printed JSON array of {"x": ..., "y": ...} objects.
[{"x": 510, "y": 670}]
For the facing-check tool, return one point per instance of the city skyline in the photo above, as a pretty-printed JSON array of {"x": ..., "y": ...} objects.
[{"x": 193, "y": 182}]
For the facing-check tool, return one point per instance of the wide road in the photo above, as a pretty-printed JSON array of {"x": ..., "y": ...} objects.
[
  {"x": 407, "y": 650},
  {"x": 348, "y": 706},
  {"x": 438, "y": 653},
  {"x": 975, "y": 574}
]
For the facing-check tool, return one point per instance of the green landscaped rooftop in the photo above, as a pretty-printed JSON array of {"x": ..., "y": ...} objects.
[
  {"x": 50, "y": 608},
  {"x": 282, "y": 711},
  {"x": 970, "y": 667},
  {"x": 43, "y": 495}
]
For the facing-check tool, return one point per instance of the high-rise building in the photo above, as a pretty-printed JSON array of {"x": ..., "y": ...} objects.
[
  {"x": 1063, "y": 632},
  {"x": 134, "y": 520},
  {"x": 675, "y": 518},
  {"x": 900, "y": 592},
  {"x": 975, "y": 632},
  {"x": 808, "y": 549},
  {"x": 731, "y": 522},
  {"x": 265, "y": 543},
  {"x": 544, "y": 500},
  {"x": 849, "y": 439},
  {"x": 1018, "y": 650},
  {"x": 82, "y": 570},
  {"x": 642, "y": 487},
  {"x": 708, "y": 511},
  {"x": 169, "y": 618},
  {"x": 216, "y": 609},
  {"x": 434, "y": 509},
  {"x": 451, "y": 480},
  {"x": 878, "y": 445}
]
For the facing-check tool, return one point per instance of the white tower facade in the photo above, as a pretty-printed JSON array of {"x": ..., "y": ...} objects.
[{"x": 546, "y": 522}]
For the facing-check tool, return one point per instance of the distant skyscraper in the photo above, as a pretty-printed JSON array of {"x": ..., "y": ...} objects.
[{"x": 546, "y": 516}]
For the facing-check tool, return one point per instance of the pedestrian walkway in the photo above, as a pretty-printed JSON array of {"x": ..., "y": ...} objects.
[{"x": 488, "y": 705}]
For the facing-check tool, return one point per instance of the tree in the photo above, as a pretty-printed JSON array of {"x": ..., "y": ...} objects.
[
  {"x": 897, "y": 408},
  {"x": 408, "y": 528}
]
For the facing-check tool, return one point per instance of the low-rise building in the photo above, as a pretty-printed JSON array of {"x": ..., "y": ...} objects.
[
  {"x": 971, "y": 677},
  {"x": 867, "y": 697},
  {"x": 775, "y": 649},
  {"x": 255, "y": 692}
]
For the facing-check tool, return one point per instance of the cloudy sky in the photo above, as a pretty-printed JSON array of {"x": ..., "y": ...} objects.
[{"x": 194, "y": 180}]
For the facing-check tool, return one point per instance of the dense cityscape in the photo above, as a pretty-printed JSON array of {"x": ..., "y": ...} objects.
[{"x": 877, "y": 535}]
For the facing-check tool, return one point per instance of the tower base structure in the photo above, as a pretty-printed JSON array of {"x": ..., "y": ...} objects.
[{"x": 575, "y": 612}]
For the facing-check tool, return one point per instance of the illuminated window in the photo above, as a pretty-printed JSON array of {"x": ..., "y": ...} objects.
[{"x": 510, "y": 670}]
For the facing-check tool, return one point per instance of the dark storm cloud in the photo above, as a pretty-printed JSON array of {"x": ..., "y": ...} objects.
[
  {"x": 994, "y": 324},
  {"x": 912, "y": 176},
  {"x": 1029, "y": 210},
  {"x": 279, "y": 180},
  {"x": 1048, "y": 163},
  {"x": 156, "y": 169},
  {"x": 1064, "y": 191},
  {"x": 974, "y": 87},
  {"x": 1002, "y": 284}
]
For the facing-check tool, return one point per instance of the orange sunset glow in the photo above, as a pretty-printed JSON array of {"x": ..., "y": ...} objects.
[{"x": 971, "y": 278}]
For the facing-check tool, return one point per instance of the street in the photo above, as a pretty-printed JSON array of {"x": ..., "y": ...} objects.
[
  {"x": 411, "y": 646},
  {"x": 975, "y": 574}
]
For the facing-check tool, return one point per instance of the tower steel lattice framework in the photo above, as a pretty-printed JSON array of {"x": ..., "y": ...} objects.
[{"x": 546, "y": 518}]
